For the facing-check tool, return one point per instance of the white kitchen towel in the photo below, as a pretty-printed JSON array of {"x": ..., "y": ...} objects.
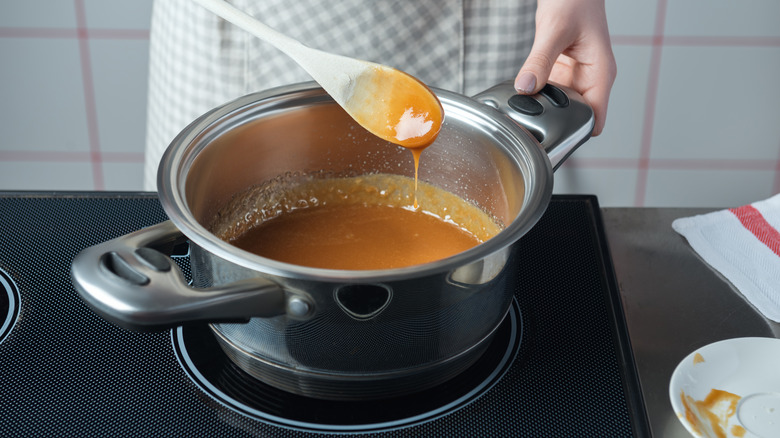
[{"x": 743, "y": 244}]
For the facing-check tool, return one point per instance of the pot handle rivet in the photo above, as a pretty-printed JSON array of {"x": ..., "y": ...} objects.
[{"x": 298, "y": 307}]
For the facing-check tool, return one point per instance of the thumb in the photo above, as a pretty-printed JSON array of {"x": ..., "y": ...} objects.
[{"x": 536, "y": 69}]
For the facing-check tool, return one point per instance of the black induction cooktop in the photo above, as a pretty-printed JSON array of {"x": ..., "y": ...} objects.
[{"x": 559, "y": 365}]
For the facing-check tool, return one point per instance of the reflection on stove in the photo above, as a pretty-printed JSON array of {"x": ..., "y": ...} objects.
[
  {"x": 9, "y": 304},
  {"x": 205, "y": 363}
]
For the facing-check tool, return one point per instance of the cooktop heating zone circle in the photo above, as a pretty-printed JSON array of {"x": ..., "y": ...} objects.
[
  {"x": 9, "y": 304},
  {"x": 214, "y": 373}
]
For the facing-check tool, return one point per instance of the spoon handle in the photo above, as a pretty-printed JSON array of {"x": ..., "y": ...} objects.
[
  {"x": 317, "y": 63},
  {"x": 245, "y": 21}
]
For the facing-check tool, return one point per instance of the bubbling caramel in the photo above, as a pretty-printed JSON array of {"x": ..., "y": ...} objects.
[{"x": 355, "y": 223}]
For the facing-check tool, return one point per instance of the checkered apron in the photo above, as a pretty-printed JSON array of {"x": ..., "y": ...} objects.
[{"x": 198, "y": 61}]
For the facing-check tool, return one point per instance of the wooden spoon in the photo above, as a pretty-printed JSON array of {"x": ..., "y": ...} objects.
[{"x": 387, "y": 102}]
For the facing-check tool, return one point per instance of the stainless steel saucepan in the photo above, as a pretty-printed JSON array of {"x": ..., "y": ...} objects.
[{"x": 336, "y": 334}]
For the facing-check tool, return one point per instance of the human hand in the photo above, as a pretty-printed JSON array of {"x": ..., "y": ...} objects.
[{"x": 572, "y": 48}]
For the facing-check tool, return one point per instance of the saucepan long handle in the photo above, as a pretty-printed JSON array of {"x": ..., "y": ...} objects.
[
  {"x": 558, "y": 116},
  {"x": 131, "y": 283}
]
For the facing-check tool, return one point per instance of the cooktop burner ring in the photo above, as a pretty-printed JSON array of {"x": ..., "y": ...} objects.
[
  {"x": 9, "y": 304},
  {"x": 209, "y": 368}
]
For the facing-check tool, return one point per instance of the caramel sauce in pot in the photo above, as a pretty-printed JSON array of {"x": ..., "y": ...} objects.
[{"x": 354, "y": 223}]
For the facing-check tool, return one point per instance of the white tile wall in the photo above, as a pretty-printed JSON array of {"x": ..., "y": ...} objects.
[
  {"x": 702, "y": 112},
  {"x": 38, "y": 14},
  {"x": 712, "y": 18},
  {"x": 119, "y": 93},
  {"x": 726, "y": 186},
  {"x": 42, "y": 100},
  {"x": 116, "y": 14},
  {"x": 73, "y": 94},
  {"x": 693, "y": 119}
]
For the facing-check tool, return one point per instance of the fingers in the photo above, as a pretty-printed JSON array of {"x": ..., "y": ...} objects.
[
  {"x": 540, "y": 62},
  {"x": 555, "y": 31},
  {"x": 534, "y": 73},
  {"x": 572, "y": 47},
  {"x": 591, "y": 81},
  {"x": 597, "y": 96},
  {"x": 594, "y": 82}
]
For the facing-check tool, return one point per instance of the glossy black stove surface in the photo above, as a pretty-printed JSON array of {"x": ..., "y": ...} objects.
[{"x": 66, "y": 372}]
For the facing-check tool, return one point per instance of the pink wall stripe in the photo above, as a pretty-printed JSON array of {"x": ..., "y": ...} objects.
[
  {"x": 52, "y": 33},
  {"x": 71, "y": 157},
  {"x": 694, "y": 41},
  {"x": 650, "y": 101},
  {"x": 672, "y": 164},
  {"x": 89, "y": 97}
]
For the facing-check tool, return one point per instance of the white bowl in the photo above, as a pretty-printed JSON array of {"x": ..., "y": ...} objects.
[{"x": 730, "y": 388}]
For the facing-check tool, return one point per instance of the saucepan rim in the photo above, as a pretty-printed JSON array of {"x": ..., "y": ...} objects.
[{"x": 525, "y": 151}]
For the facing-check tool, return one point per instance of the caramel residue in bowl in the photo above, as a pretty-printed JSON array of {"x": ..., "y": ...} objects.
[
  {"x": 711, "y": 416},
  {"x": 697, "y": 359}
]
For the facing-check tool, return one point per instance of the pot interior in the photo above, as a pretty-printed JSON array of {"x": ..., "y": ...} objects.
[{"x": 480, "y": 155}]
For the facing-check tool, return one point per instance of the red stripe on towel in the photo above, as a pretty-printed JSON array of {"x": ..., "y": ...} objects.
[{"x": 754, "y": 222}]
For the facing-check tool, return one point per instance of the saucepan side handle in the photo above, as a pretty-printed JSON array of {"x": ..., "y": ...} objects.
[
  {"x": 131, "y": 283},
  {"x": 558, "y": 116}
]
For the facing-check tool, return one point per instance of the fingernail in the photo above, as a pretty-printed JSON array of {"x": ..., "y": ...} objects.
[{"x": 525, "y": 82}]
